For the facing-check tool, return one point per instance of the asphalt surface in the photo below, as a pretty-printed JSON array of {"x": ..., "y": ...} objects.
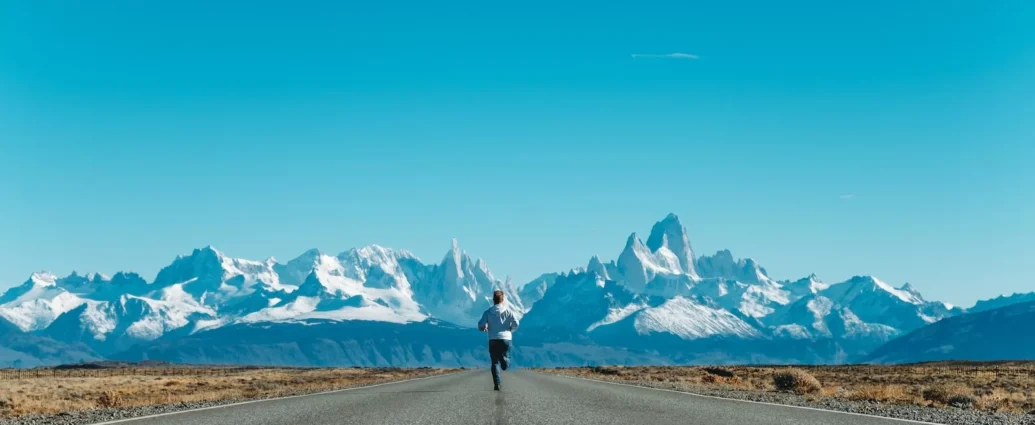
[{"x": 527, "y": 398}]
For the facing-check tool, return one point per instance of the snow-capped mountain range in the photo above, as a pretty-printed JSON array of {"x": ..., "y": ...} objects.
[
  {"x": 660, "y": 288},
  {"x": 656, "y": 296},
  {"x": 208, "y": 289}
]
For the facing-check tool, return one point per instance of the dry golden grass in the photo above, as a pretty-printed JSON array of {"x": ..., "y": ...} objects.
[
  {"x": 56, "y": 395},
  {"x": 1000, "y": 387}
]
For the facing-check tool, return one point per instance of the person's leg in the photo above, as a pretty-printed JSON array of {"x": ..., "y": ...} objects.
[
  {"x": 504, "y": 353},
  {"x": 494, "y": 355}
]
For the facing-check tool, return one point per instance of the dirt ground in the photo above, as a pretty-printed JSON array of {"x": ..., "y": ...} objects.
[
  {"x": 141, "y": 387},
  {"x": 994, "y": 387}
]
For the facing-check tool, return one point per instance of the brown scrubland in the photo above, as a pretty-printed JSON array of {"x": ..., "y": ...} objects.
[
  {"x": 994, "y": 387},
  {"x": 55, "y": 392}
]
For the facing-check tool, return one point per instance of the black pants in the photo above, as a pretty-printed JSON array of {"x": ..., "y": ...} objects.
[{"x": 499, "y": 350}]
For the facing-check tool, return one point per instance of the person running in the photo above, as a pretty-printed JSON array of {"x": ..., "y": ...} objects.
[{"x": 499, "y": 322}]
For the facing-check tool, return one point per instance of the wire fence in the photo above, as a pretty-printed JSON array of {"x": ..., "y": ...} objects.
[
  {"x": 91, "y": 371},
  {"x": 993, "y": 371},
  {"x": 6, "y": 374}
]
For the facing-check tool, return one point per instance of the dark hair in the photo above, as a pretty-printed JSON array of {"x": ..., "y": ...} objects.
[{"x": 497, "y": 296}]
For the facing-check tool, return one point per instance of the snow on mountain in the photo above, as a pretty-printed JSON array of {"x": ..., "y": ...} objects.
[
  {"x": 756, "y": 300},
  {"x": 36, "y": 303},
  {"x": 382, "y": 284},
  {"x": 651, "y": 272},
  {"x": 666, "y": 267},
  {"x": 597, "y": 267},
  {"x": 208, "y": 289},
  {"x": 691, "y": 320},
  {"x": 861, "y": 308},
  {"x": 109, "y": 326},
  {"x": 655, "y": 295},
  {"x": 668, "y": 239},
  {"x": 366, "y": 283},
  {"x": 533, "y": 291},
  {"x": 303, "y": 308},
  {"x": 804, "y": 286},
  {"x": 297, "y": 270},
  {"x": 723, "y": 265},
  {"x": 587, "y": 303},
  {"x": 217, "y": 280},
  {"x": 171, "y": 308},
  {"x": 989, "y": 335},
  {"x": 869, "y": 286},
  {"x": 741, "y": 285},
  {"x": 874, "y": 301},
  {"x": 817, "y": 316},
  {"x": 459, "y": 289},
  {"x": 582, "y": 302}
]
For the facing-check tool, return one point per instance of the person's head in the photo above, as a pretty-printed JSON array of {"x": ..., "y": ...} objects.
[{"x": 497, "y": 297}]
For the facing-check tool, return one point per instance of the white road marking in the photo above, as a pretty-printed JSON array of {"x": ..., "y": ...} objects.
[
  {"x": 266, "y": 399},
  {"x": 748, "y": 401}
]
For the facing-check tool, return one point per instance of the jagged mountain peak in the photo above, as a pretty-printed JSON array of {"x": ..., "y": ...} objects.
[
  {"x": 807, "y": 285},
  {"x": 723, "y": 265},
  {"x": 454, "y": 249},
  {"x": 314, "y": 286},
  {"x": 454, "y": 256},
  {"x": 670, "y": 234},
  {"x": 217, "y": 279},
  {"x": 207, "y": 252},
  {"x": 377, "y": 253},
  {"x": 597, "y": 267},
  {"x": 34, "y": 304},
  {"x": 907, "y": 288},
  {"x": 633, "y": 241},
  {"x": 655, "y": 286},
  {"x": 724, "y": 255},
  {"x": 43, "y": 278},
  {"x": 869, "y": 284}
]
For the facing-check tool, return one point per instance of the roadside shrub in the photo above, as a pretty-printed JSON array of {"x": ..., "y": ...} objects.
[
  {"x": 947, "y": 394},
  {"x": 719, "y": 371},
  {"x": 6, "y": 404},
  {"x": 962, "y": 401},
  {"x": 110, "y": 398},
  {"x": 709, "y": 379},
  {"x": 606, "y": 370},
  {"x": 797, "y": 381}
]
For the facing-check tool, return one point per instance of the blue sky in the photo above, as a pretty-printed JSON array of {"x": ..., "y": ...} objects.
[{"x": 887, "y": 138}]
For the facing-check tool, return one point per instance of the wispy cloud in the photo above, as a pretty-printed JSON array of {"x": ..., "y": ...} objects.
[
  {"x": 848, "y": 196},
  {"x": 664, "y": 56}
]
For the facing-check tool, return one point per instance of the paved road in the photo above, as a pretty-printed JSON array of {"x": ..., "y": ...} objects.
[{"x": 527, "y": 398}]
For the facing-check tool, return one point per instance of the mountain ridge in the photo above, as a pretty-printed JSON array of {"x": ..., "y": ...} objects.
[{"x": 657, "y": 294}]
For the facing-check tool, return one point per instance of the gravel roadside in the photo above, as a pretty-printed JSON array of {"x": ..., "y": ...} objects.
[
  {"x": 93, "y": 416},
  {"x": 947, "y": 416}
]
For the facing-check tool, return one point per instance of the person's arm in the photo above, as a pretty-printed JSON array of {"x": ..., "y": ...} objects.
[
  {"x": 513, "y": 322},
  {"x": 483, "y": 324}
]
